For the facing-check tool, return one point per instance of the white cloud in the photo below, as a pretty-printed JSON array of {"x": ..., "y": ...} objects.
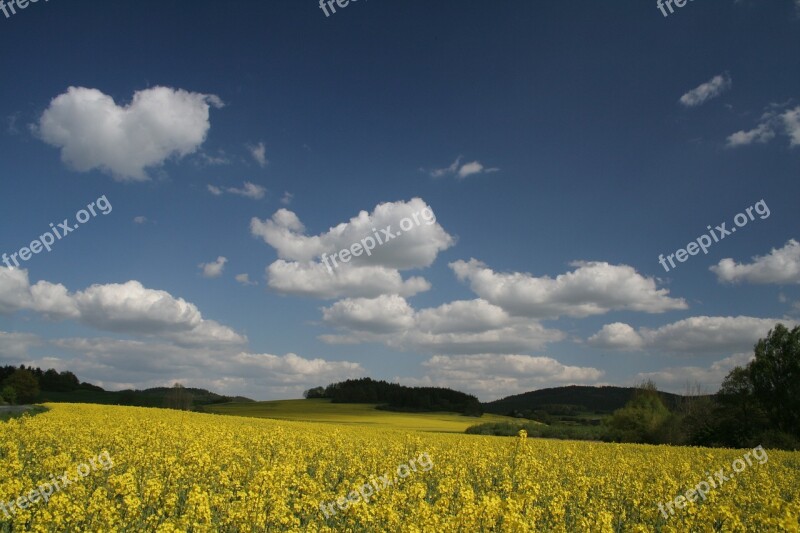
[
  {"x": 385, "y": 314},
  {"x": 392, "y": 250},
  {"x": 259, "y": 153},
  {"x": 244, "y": 279},
  {"x": 761, "y": 134},
  {"x": 140, "y": 220},
  {"x": 93, "y": 132},
  {"x": 117, "y": 364},
  {"x": 415, "y": 248},
  {"x": 698, "y": 335},
  {"x": 593, "y": 288},
  {"x": 791, "y": 120},
  {"x": 213, "y": 269},
  {"x": 287, "y": 198},
  {"x": 780, "y": 266},
  {"x": 14, "y": 290},
  {"x": 709, "y": 379},
  {"x": 211, "y": 160},
  {"x": 313, "y": 280},
  {"x": 461, "y": 327},
  {"x": 122, "y": 308},
  {"x": 16, "y": 294},
  {"x": 492, "y": 376},
  {"x": 462, "y": 171},
  {"x": 706, "y": 91},
  {"x": 617, "y": 336},
  {"x": 772, "y": 123},
  {"x": 248, "y": 190},
  {"x": 15, "y": 346}
]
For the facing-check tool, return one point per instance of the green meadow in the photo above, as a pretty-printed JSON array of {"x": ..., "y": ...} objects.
[{"x": 322, "y": 410}]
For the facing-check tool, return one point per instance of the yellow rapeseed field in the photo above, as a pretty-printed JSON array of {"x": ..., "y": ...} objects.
[{"x": 178, "y": 471}]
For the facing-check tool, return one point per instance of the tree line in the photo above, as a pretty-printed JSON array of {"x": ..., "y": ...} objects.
[
  {"x": 396, "y": 397},
  {"x": 23, "y": 384}
]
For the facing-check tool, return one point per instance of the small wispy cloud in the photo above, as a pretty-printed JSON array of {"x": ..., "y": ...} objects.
[
  {"x": 259, "y": 153},
  {"x": 287, "y": 198},
  {"x": 140, "y": 220},
  {"x": 461, "y": 171},
  {"x": 248, "y": 190},
  {"x": 244, "y": 279},
  {"x": 213, "y": 269},
  {"x": 706, "y": 91},
  {"x": 11, "y": 121},
  {"x": 213, "y": 160}
]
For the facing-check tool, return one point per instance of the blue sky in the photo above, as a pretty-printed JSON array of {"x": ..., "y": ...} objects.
[{"x": 561, "y": 147}]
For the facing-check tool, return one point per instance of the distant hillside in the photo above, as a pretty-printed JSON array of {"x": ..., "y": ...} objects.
[
  {"x": 155, "y": 397},
  {"x": 64, "y": 387},
  {"x": 571, "y": 400}
]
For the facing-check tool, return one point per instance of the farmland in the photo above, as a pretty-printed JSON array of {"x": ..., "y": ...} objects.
[
  {"x": 322, "y": 410},
  {"x": 181, "y": 471}
]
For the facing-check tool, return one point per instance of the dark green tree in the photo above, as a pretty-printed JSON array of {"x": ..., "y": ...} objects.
[
  {"x": 316, "y": 392},
  {"x": 24, "y": 384},
  {"x": 775, "y": 377},
  {"x": 8, "y": 394}
]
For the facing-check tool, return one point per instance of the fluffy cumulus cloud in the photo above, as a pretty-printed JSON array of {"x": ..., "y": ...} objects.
[
  {"x": 384, "y": 314},
  {"x": 593, "y": 288},
  {"x": 93, "y": 132},
  {"x": 121, "y": 308},
  {"x": 706, "y": 379},
  {"x": 706, "y": 91},
  {"x": 16, "y": 293},
  {"x": 213, "y": 269},
  {"x": 773, "y": 122},
  {"x": 315, "y": 281},
  {"x": 699, "y": 335},
  {"x": 461, "y": 327},
  {"x": 462, "y": 170},
  {"x": 780, "y": 266},
  {"x": 491, "y": 376},
  {"x": 617, "y": 336},
  {"x": 400, "y": 236}
]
